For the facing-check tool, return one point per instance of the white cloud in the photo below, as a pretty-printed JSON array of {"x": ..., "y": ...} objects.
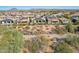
[{"x": 39, "y": 2}]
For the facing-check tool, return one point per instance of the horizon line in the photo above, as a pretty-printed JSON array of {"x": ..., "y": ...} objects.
[{"x": 39, "y": 7}]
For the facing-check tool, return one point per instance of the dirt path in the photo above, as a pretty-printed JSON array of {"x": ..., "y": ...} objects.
[{"x": 46, "y": 35}]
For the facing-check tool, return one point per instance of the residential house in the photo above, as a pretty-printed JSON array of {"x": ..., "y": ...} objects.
[
  {"x": 63, "y": 20},
  {"x": 7, "y": 22},
  {"x": 39, "y": 21},
  {"x": 75, "y": 18},
  {"x": 52, "y": 20}
]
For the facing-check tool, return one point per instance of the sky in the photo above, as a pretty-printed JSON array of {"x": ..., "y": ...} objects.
[{"x": 38, "y": 7}]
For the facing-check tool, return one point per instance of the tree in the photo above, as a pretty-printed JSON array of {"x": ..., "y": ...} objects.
[
  {"x": 70, "y": 27},
  {"x": 11, "y": 41},
  {"x": 67, "y": 16}
]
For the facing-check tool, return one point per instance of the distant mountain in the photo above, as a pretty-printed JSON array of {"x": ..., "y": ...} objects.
[{"x": 13, "y": 9}]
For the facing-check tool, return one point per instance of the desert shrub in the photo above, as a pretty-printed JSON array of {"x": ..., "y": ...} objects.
[
  {"x": 73, "y": 40},
  {"x": 36, "y": 44},
  {"x": 59, "y": 30},
  {"x": 44, "y": 40},
  {"x": 32, "y": 45},
  {"x": 63, "y": 48},
  {"x": 11, "y": 41},
  {"x": 69, "y": 44}
]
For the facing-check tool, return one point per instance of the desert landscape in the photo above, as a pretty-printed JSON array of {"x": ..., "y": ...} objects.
[{"x": 39, "y": 31}]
